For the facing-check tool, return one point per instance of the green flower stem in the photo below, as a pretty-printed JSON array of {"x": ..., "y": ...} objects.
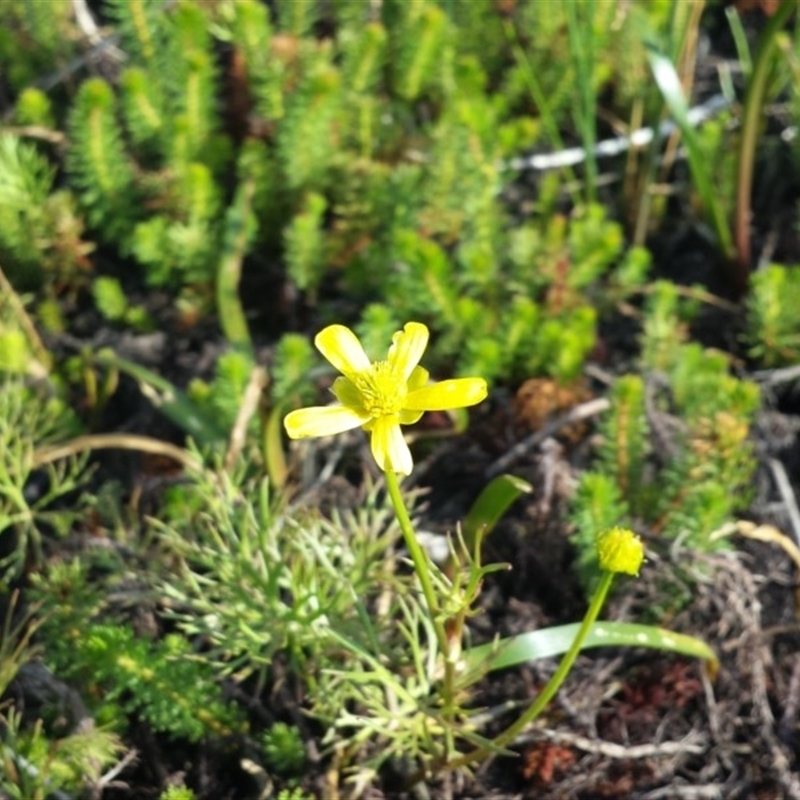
[
  {"x": 553, "y": 685},
  {"x": 418, "y": 557},
  {"x": 422, "y": 568}
]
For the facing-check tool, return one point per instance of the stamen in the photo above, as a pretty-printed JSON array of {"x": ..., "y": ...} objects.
[{"x": 383, "y": 391}]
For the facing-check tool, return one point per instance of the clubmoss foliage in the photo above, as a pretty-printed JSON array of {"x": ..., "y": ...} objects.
[
  {"x": 675, "y": 458},
  {"x": 361, "y": 147}
]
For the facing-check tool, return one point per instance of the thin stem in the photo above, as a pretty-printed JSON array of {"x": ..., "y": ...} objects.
[
  {"x": 237, "y": 237},
  {"x": 581, "y": 37},
  {"x": 553, "y": 685},
  {"x": 753, "y": 106},
  {"x": 540, "y": 99},
  {"x": 422, "y": 568},
  {"x": 115, "y": 441},
  {"x": 418, "y": 558}
]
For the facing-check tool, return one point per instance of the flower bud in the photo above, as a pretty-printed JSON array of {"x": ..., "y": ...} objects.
[{"x": 620, "y": 550}]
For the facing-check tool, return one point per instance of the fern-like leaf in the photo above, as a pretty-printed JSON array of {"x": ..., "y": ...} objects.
[
  {"x": 305, "y": 243},
  {"x": 305, "y": 138},
  {"x": 364, "y": 51},
  {"x": 597, "y": 505},
  {"x": 296, "y": 18},
  {"x": 142, "y": 104},
  {"x": 418, "y": 44},
  {"x": 252, "y": 34},
  {"x": 97, "y": 161},
  {"x": 192, "y": 84},
  {"x": 626, "y": 438},
  {"x": 26, "y": 178},
  {"x": 773, "y": 315},
  {"x": 291, "y": 366},
  {"x": 143, "y": 28}
]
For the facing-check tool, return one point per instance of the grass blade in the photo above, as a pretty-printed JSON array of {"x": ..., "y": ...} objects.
[
  {"x": 549, "y": 642},
  {"x": 170, "y": 400},
  {"x": 669, "y": 83}
]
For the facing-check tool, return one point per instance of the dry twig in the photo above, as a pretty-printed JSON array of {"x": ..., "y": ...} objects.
[
  {"x": 577, "y": 414},
  {"x": 693, "y": 744}
]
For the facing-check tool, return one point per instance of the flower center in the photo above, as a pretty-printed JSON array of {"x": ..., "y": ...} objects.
[{"x": 382, "y": 390}]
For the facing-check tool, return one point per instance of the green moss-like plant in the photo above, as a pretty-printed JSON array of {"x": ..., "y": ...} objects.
[
  {"x": 41, "y": 232},
  {"x": 675, "y": 457},
  {"x": 284, "y": 750},
  {"x": 161, "y": 680},
  {"x": 177, "y": 793},
  {"x": 773, "y": 315}
]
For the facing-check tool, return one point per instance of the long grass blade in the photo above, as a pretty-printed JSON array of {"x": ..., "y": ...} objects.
[
  {"x": 669, "y": 83},
  {"x": 549, "y": 642}
]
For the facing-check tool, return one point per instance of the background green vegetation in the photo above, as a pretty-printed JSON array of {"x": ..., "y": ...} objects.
[{"x": 272, "y": 168}]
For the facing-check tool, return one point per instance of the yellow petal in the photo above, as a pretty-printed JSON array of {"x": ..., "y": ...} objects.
[
  {"x": 321, "y": 421},
  {"x": 407, "y": 348},
  {"x": 341, "y": 347},
  {"x": 418, "y": 378},
  {"x": 410, "y": 417},
  {"x": 456, "y": 393},
  {"x": 389, "y": 447}
]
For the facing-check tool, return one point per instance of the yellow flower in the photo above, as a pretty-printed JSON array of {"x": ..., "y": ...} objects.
[
  {"x": 620, "y": 550},
  {"x": 381, "y": 396}
]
